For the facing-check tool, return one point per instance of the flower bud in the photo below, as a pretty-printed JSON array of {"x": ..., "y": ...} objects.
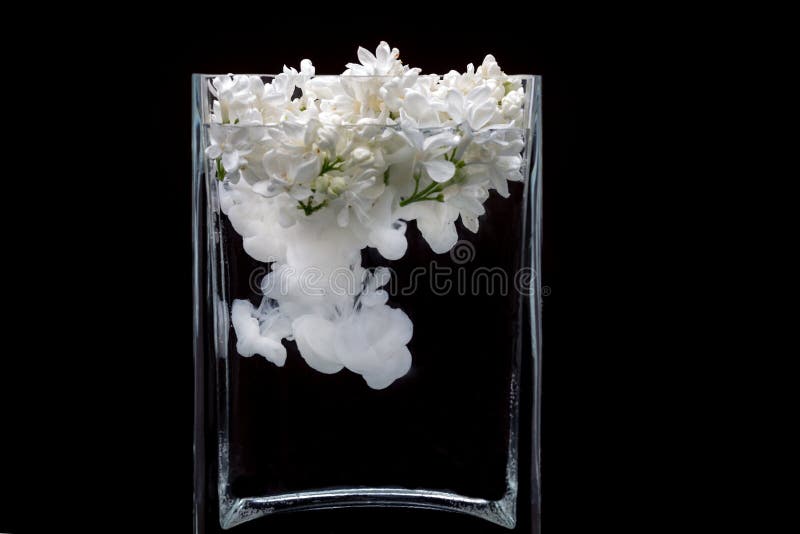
[
  {"x": 361, "y": 155},
  {"x": 321, "y": 183},
  {"x": 337, "y": 186}
]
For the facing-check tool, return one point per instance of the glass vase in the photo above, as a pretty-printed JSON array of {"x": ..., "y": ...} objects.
[{"x": 452, "y": 444}]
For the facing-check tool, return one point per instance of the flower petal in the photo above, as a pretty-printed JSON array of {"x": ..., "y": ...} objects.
[
  {"x": 365, "y": 57},
  {"x": 383, "y": 53},
  {"x": 480, "y": 116},
  {"x": 479, "y": 95},
  {"x": 438, "y": 141},
  {"x": 415, "y": 104},
  {"x": 307, "y": 68},
  {"x": 306, "y": 170},
  {"x": 238, "y": 138},
  {"x": 470, "y": 222},
  {"x": 439, "y": 170},
  {"x": 230, "y": 160},
  {"x": 214, "y": 151},
  {"x": 440, "y": 233},
  {"x": 499, "y": 183},
  {"x": 455, "y": 105}
]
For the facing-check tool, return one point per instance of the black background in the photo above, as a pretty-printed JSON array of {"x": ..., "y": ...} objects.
[{"x": 98, "y": 408}]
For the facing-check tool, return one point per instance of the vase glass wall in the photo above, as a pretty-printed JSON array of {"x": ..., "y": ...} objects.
[{"x": 452, "y": 444}]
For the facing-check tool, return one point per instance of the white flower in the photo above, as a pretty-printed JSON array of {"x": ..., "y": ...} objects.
[
  {"x": 307, "y": 72},
  {"x": 229, "y": 144},
  {"x": 316, "y": 168},
  {"x": 496, "y": 157},
  {"x": 477, "y": 109},
  {"x": 280, "y": 91},
  {"x": 393, "y": 92},
  {"x": 435, "y": 221},
  {"x": 419, "y": 110},
  {"x": 332, "y": 140},
  {"x": 490, "y": 70},
  {"x": 463, "y": 82},
  {"x": 357, "y": 195},
  {"x": 295, "y": 138},
  {"x": 468, "y": 199},
  {"x": 288, "y": 172},
  {"x": 344, "y": 100},
  {"x": 428, "y": 152},
  {"x": 384, "y": 62},
  {"x": 511, "y": 106},
  {"x": 237, "y": 99}
]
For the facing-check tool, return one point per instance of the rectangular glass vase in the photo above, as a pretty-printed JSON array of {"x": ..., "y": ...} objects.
[{"x": 453, "y": 444}]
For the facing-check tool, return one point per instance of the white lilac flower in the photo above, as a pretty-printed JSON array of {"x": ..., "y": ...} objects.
[
  {"x": 393, "y": 92},
  {"x": 355, "y": 194},
  {"x": 385, "y": 62},
  {"x": 248, "y": 100},
  {"x": 334, "y": 164},
  {"x": 490, "y": 70},
  {"x": 229, "y": 146},
  {"x": 496, "y": 158},
  {"x": 477, "y": 109},
  {"x": 236, "y": 98},
  {"x": 300, "y": 79},
  {"x": 332, "y": 140},
  {"x": 435, "y": 221},
  {"x": 420, "y": 105},
  {"x": 468, "y": 199},
  {"x": 511, "y": 106},
  {"x": 427, "y": 153},
  {"x": 293, "y": 137},
  {"x": 288, "y": 172},
  {"x": 463, "y": 82}
]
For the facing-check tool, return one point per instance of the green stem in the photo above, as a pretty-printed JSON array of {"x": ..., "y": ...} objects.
[
  {"x": 419, "y": 196},
  {"x": 434, "y": 190},
  {"x": 308, "y": 207},
  {"x": 334, "y": 165}
]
